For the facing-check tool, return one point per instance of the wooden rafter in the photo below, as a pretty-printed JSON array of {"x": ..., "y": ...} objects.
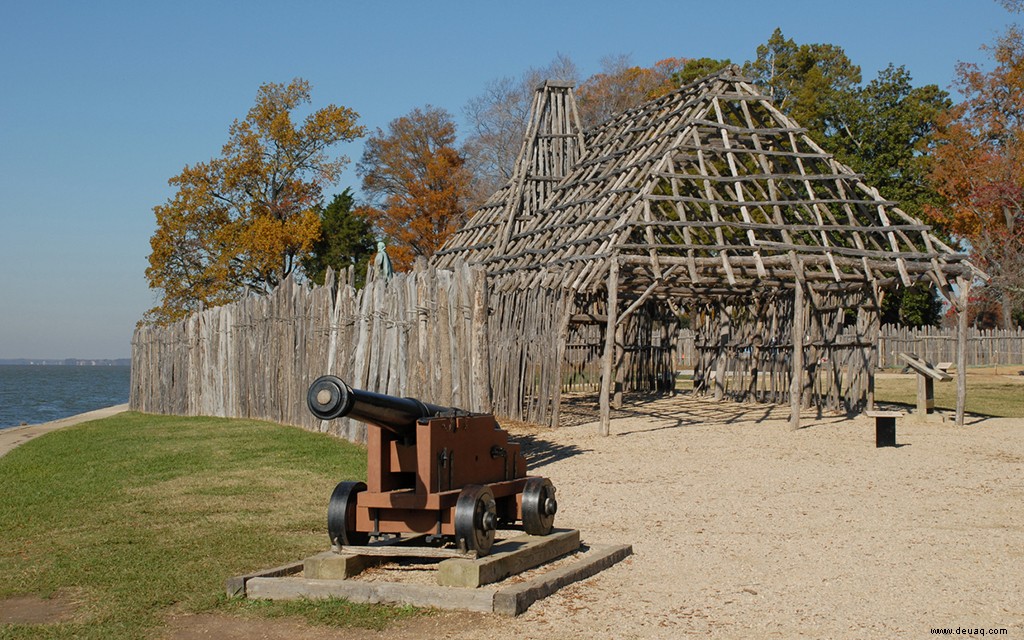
[
  {"x": 712, "y": 198},
  {"x": 552, "y": 146},
  {"x": 710, "y": 173}
]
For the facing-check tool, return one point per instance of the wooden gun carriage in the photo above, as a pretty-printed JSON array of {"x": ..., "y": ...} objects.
[{"x": 434, "y": 470}]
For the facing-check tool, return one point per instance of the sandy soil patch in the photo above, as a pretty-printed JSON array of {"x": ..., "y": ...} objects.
[{"x": 35, "y": 610}]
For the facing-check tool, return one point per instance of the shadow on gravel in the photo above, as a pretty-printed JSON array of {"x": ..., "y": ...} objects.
[
  {"x": 668, "y": 412},
  {"x": 540, "y": 452}
]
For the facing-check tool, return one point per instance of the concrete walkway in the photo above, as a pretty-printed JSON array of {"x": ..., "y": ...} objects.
[{"x": 13, "y": 436}]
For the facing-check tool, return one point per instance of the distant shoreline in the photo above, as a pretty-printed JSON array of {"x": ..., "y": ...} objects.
[{"x": 68, "y": 362}]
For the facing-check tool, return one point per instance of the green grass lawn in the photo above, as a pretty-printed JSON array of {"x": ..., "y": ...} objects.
[
  {"x": 999, "y": 395},
  {"x": 137, "y": 516},
  {"x": 988, "y": 394}
]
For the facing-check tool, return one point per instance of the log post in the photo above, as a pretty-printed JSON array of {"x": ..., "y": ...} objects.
[
  {"x": 797, "y": 361},
  {"x": 608, "y": 356},
  {"x": 875, "y": 332},
  {"x": 721, "y": 357},
  {"x": 566, "y": 308},
  {"x": 481, "y": 357},
  {"x": 964, "y": 284},
  {"x": 620, "y": 363}
]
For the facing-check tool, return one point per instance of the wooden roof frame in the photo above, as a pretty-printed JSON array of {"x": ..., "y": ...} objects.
[
  {"x": 707, "y": 194},
  {"x": 552, "y": 145},
  {"x": 707, "y": 191}
]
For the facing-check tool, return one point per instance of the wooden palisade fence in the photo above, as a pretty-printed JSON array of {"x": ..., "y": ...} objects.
[
  {"x": 424, "y": 334},
  {"x": 985, "y": 347},
  {"x": 436, "y": 334},
  {"x": 446, "y": 336}
]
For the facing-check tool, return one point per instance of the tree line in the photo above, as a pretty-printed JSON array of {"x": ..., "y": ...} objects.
[{"x": 240, "y": 223}]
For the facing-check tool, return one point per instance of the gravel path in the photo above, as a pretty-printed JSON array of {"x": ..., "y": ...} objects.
[{"x": 742, "y": 528}]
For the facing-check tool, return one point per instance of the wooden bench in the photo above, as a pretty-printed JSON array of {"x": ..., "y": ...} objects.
[
  {"x": 885, "y": 427},
  {"x": 926, "y": 377}
]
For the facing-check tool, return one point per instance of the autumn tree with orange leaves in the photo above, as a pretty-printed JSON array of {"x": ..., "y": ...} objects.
[
  {"x": 418, "y": 183},
  {"x": 978, "y": 168},
  {"x": 241, "y": 223},
  {"x": 621, "y": 85}
]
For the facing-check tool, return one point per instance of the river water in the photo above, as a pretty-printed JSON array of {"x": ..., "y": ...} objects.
[{"x": 30, "y": 394}]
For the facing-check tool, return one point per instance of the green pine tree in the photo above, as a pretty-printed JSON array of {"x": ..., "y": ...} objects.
[{"x": 346, "y": 239}]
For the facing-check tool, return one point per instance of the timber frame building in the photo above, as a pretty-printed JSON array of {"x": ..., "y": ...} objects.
[{"x": 706, "y": 203}]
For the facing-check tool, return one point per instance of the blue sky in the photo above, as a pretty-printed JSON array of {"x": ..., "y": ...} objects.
[{"x": 101, "y": 102}]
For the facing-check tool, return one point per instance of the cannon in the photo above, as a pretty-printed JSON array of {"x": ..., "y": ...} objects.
[{"x": 441, "y": 471}]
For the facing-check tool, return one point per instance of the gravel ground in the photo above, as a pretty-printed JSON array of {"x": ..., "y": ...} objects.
[{"x": 742, "y": 528}]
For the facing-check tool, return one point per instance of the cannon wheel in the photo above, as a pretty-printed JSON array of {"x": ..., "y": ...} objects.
[
  {"x": 476, "y": 519},
  {"x": 341, "y": 515},
  {"x": 539, "y": 506}
]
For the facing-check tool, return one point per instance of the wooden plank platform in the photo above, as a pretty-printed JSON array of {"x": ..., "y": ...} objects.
[
  {"x": 515, "y": 599},
  {"x": 337, "y": 566},
  {"x": 927, "y": 375},
  {"x": 404, "y": 547},
  {"x": 236, "y": 585},
  {"x": 406, "y": 552},
  {"x": 507, "y": 558},
  {"x": 418, "y": 595},
  {"x": 924, "y": 368},
  {"x": 511, "y": 600},
  {"x": 884, "y": 414}
]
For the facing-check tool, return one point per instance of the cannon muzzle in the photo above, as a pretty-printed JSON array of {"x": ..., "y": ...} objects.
[{"x": 329, "y": 398}]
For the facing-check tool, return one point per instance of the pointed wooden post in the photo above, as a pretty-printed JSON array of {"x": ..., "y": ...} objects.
[
  {"x": 721, "y": 358},
  {"x": 567, "y": 308},
  {"x": 875, "y": 339},
  {"x": 620, "y": 363},
  {"x": 480, "y": 348},
  {"x": 608, "y": 356},
  {"x": 964, "y": 284},
  {"x": 796, "y": 385}
]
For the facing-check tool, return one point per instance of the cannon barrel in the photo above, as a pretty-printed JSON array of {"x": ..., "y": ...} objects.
[{"x": 329, "y": 397}]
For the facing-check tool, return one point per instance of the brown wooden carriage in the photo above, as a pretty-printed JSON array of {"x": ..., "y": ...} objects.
[{"x": 439, "y": 471}]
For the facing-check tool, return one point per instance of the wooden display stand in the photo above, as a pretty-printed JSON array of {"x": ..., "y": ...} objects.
[{"x": 926, "y": 377}]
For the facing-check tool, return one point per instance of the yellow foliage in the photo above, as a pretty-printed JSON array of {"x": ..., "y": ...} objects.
[{"x": 242, "y": 222}]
